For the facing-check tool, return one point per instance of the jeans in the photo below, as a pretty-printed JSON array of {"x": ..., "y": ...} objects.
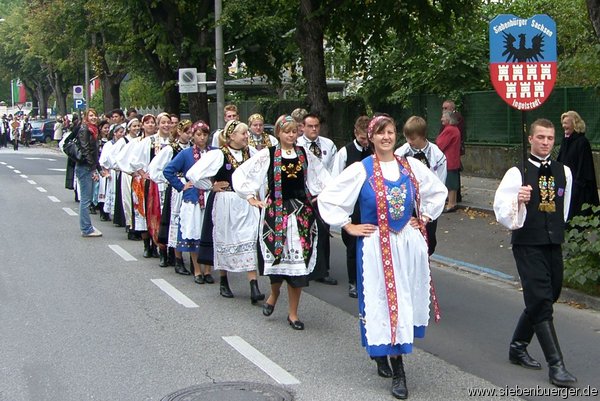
[{"x": 85, "y": 186}]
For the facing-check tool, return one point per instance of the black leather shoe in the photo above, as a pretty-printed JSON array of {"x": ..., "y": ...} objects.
[
  {"x": 224, "y": 289},
  {"x": 255, "y": 294},
  {"x": 327, "y": 280},
  {"x": 199, "y": 279},
  {"x": 209, "y": 279},
  {"x": 163, "y": 262},
  {"x": 518, "y": 355},
  {"x": 399, "y": 389},
  {"x": 268, "y": 309},
  {"x": 383, "y": 367},
  {"x": 92, "y": 210},
  {"x": 352, "y": 291},
  {"x": 180, "y": 267},
  {"x": 296, "y": 324}
]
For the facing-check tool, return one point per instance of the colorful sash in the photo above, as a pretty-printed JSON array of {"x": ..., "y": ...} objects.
[{"x": 384, "y": 240}]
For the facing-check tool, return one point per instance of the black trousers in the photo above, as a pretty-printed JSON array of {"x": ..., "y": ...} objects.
[{"x": 540, "y": 268}]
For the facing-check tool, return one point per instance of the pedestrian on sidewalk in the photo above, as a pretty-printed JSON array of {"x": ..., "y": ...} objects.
[
  {"x": 393, "y": 264},
  {"x": 535, "y": 207},
  {"x": 87, "y": 171},
  {"x": 449, "y": 143},
  {"x": 576, "y": 153}
]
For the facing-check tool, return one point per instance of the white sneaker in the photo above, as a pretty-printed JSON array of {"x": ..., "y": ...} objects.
[{"x": 95, "y": 233}]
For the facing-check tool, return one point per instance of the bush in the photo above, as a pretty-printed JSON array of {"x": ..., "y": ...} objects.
[{"x": 582, "y": 248}]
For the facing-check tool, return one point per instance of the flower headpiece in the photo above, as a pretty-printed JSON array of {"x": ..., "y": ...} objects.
[
  {"x": 200, "y": 125},
  {"x": 284, "y": 121},
  {"x": 373, "y": 123}
]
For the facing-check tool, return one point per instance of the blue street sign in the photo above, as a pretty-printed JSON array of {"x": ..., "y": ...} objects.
[{"x": 79, "y": 104}]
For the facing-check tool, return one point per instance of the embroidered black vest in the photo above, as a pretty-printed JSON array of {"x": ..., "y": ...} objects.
[
  {"x": 355, "y": 155},
  {"x": 543, "y": 228},
  {"x": 292, "y": 182}
]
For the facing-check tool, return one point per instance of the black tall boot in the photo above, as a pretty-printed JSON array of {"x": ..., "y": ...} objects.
[
  {"x": 399, "y": 389},
  {"x": 163, "y": 262},
  {"x": 147, "y": 248},
  {"x": 224, "y": 289},
  {"x": 557, "y": 372},
  {"x": 172, "y": 257},
  {"x": 383, "y": 367},
  {"x": 180, "y": 267},
  {"x": 255, "y": 294},
  {"x": 522, "y": 336}
]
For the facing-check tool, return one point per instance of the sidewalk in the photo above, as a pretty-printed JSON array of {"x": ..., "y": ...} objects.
[{"x": 471, "y": 240}]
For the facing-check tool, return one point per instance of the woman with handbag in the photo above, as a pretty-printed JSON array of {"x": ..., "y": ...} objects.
[{"x": 87, "y": 171}]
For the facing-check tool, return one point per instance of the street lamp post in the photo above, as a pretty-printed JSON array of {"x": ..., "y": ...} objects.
[{"x": 220, "y": 84}]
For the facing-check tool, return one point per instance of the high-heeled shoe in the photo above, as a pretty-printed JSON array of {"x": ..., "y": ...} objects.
[{"x": 296, "y": 324}]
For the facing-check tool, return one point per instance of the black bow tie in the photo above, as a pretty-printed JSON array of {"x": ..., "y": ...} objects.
[{"x": 544, "y": 170}]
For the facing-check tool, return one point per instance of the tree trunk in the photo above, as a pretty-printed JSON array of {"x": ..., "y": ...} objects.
[
  {"x": 41, "y": 95},
  {"x": 59, "y": 92},
  {"x": 111, "y": 96},
  {"x": 594, "y": 14},
  {"x": 172, "y": 97},
  {"x": 198, "y": 103},
  {"x": 309, "y": 36}
]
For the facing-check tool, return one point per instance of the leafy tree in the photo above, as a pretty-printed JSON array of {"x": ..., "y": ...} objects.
[
  {"x": 110, "y": 48},
  {"x": 52, "y": 35},
  {"x": 173, "y": 34}
]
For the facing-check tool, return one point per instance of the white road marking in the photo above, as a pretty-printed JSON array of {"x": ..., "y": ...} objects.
[
  {"x": 174, "y": 293},
  {"x": 54, "y": 199},
  {"x": 40, "y": 158},
  {"x": 122, "y": 253},
  {"x": 41, "y": 189},
  {"x": 24, "y": 176},
  {"x": 10, "y": 167},
  {"x": 17, "y": 171},
  {"x": 69, "y": 211},
  {"x": 58, "y": 169},
  {"x": 276, "y": 372},
  {"x": 32, "y": 182},
  {"x": 3, "y": 163}
]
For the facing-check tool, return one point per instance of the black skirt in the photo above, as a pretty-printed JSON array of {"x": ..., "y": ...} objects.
[{"x": 206, "y": 250}]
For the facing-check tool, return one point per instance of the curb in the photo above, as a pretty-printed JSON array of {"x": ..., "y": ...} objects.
[{"x": 568, "y": 295}]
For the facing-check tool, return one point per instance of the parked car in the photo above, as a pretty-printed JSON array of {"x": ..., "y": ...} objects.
[{"x": 42, "y": 130}]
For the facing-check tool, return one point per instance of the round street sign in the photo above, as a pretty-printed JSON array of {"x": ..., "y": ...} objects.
[{"x": 523, "y": 59}]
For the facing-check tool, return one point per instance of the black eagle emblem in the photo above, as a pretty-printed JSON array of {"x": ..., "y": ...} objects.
[{"x": 522, "y": 53}]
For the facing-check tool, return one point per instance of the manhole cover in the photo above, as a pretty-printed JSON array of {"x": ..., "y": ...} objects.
[{"x": 230, "y": 391}]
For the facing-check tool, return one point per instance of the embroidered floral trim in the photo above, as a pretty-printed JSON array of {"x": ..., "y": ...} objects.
[
  {"x": 396, "y": 197},
  {"x": 280, "y": 214},
  {"x": 384, "y": 243}
]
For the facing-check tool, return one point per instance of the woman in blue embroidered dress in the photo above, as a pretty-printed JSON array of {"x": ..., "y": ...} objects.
[
  {"x": 191, "y": 213},
  {"x": 288, "y": 227},
  {"x": 397, "y": 197}
]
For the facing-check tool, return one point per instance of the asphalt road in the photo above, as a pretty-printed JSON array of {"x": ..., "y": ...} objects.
[{"x": 81, "y": 323}]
